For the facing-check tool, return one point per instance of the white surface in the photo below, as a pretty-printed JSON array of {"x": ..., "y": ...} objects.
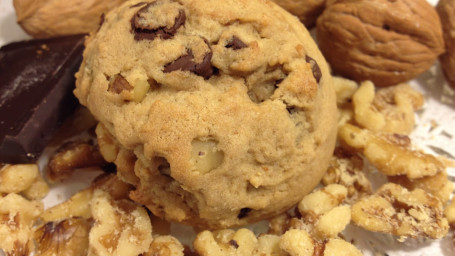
[{"x": 435, "y": 134}]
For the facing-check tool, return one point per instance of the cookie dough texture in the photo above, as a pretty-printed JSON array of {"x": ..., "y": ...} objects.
[
  {"x": 220, "y": 113},
  {"x": 446, "y": 11},
  {"x": 48, "y": 18},
  {"x": 387, "y": 42}
]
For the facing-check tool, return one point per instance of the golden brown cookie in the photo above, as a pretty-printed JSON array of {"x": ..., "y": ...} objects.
[{"x": 220, "y": 113}]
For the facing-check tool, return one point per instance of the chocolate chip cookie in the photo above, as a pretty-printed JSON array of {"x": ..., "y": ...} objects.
[{"x": 220, "y": 113}]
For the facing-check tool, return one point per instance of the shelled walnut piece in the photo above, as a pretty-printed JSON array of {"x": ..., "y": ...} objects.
[
  {"x": 390, "y": 154},
  {"x": 387, "y": 42},
  {"x": 49, "y": 18},
  {"x": 395, "y": 210},
  {"x": 71, "y": 156},
  {"x": 17, "y": 216},
  {"x": 390, "y": 110},
  {"x": 446, "y": 11},
  {"x": 346, "y": 168},
  {"x": 68, "y": 237},
  {"x": 24, "y": 179},
  {"x": 294, "y": 242}
]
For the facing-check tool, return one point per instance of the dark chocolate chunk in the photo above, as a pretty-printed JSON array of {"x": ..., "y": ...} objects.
[
  {"x": 234, "y": 243},
  {"x": 119, "y": 84},
  {"x": 144, "y": 32},
  {"x": 315, "y": 68},
  {"x": 244, "y": 212},
  {"x": 36, "y": 93},
  {"x": 236, "y": 44},
  {"x": 186, "y": 63}
]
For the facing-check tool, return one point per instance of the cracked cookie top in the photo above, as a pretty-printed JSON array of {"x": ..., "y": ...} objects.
[{"x": 220, "y": 112}]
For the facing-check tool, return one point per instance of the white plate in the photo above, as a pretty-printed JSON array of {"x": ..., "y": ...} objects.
[{"x": 435, "y": 134}]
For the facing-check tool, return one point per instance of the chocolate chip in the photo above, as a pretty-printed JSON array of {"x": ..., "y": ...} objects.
[
  {"x": 234, "y": 243},
  {"x": 119, "y": 84},
  {"x": 244, "y": 212},
  {"x": 144, "y": 32},
  {"x": 236, "y": 44},
  {"x": 154, "y": 85},
  {"x": 186, "y": 63},
  {"x": 315, "y": 68}
]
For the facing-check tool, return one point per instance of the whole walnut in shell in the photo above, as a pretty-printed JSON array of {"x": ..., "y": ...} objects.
[
  {"x": 387, "y": 42},
  {"x": 306, "y": 10},
  {"x": 446, "y": 11},
  {"x": 48, "y": 18}
]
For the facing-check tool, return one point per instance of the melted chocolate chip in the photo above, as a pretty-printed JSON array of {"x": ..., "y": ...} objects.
[
  {"x": 119, "y": 84},
  {"x": 244, "y": 212},
  {"x": 142, "y": 32},
  {"x": 236, "y": 44},
  {"x": 315, "y": 68},
  {"x": 186, "y": 63},
  {"x": 234, "y": 243},
  {"x": 154, "y": 85}
]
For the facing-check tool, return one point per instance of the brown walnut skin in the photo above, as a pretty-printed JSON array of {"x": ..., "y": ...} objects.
[
  {"x": 50, "y": 18},
  {"x": 446, "y": 11},
  {"x": 306, "y": 10},
  {"x": 387, "y": 42}
]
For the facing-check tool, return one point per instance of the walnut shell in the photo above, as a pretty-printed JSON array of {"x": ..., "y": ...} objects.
[
  {"x": 446, "y": 11},
  {"x": 48, "y": 18},
  {"x": 306, "y": 10},
  {"x": 387, "y": 42}
]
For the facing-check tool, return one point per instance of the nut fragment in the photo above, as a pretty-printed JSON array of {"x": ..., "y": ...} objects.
[
  {"x": 388, "y": 154},
  {"x": 294, "y": 242},
  {"x": 71, "y": 156},
  {"x": 205, "y": 155},
  {"x": 17, "y": 216},
  {"x": 17, "y": 178},
  {"x": 347, "y": 170},
  {"x": 446, "y": 11},
  {"x": 165, "y": 246},
  {"x": 106, "y": 142},
  {"x": 121, "y": 227},
  {"x": 66, "y": 238},
  {"x": 323, "y": 216},
  {"x": 389, "y": 110},
  {"x": 78, "y": 205},
  {"x": 395, "y": 210},
  {"x": 387, "y": 42},
  {"x": 449, "y": 213},
  {"x": 438, "y": 185}
]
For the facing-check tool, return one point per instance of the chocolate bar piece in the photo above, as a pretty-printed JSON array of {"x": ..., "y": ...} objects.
[{"x": 36, "y": 93}]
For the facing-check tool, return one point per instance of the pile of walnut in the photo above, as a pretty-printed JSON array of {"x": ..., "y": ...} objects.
[
  {"x": 374, "y": 125},
  {"x": 375, "y": 42}
]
